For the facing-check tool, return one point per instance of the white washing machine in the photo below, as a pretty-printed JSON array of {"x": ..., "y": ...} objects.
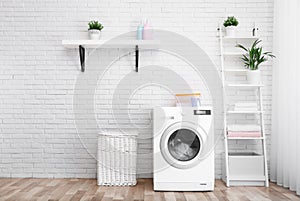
[{"x": 183, "y": 149}]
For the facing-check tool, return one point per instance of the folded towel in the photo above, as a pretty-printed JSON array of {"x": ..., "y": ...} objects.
[
  {"x": 243, "y": 127},
  {"x": 243, "y": 134}
]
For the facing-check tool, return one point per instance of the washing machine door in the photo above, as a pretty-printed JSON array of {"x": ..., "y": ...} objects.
[{"x": 181, "y": 144}]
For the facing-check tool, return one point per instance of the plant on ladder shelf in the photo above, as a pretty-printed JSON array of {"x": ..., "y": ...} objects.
[{"x": 252, "y": 59}]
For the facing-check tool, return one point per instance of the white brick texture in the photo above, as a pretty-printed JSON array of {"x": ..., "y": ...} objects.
[{"x": 38, "y": 136}]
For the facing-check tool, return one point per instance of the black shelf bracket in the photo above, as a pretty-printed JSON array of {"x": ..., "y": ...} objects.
[
  {"x": 82, "y": 57},
  {"x": 137, "y": 58}
]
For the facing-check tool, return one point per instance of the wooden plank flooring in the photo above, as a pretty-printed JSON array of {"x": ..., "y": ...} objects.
[{"x": 86, "y": 189}]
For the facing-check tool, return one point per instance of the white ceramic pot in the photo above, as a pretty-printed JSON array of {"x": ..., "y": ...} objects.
[
  {"x": 230, "y": 31},
  {"x": 253, "y": 77},
  {"x": 94, "y": 34}
]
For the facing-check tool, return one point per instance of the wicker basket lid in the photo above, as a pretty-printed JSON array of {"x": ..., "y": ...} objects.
[{"x": 119, "y": 132}]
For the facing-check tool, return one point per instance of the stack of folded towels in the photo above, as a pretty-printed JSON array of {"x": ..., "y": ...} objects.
[
  {"x": 244, "y": 130},
  {"x": 245, "y": 107}
]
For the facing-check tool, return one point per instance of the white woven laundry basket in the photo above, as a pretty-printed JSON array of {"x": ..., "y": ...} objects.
[{"x": 117, "y": 159}]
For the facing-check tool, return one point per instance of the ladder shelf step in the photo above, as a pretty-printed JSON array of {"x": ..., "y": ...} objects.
[
  {"x": 233, "y": 54},
  {"x": 235, "y": 70},
  {"x": 244, "y": 112},
  {"x": 245, "y": 85},
  {"x": 245, "y": 178},
  {"x": 245, "y": 138},
  {"x": 240, "y": 38}
]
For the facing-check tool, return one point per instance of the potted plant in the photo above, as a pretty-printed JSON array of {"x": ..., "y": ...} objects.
[
  {"x": 230, "y": 25},
  {"x": 95, "y": 30},
  {"x": 252, "y": 59}
]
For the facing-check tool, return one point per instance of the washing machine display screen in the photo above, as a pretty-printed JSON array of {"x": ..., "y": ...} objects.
[{"x": 184, "y": 145}]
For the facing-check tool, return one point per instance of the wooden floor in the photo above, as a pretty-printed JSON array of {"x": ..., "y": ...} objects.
[{"x": 86, "y": 189}]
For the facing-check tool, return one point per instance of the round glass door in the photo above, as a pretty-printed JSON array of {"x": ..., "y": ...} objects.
[{"x": 184, "y": 145}]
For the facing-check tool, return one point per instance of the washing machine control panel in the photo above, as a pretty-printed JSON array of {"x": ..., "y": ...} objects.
[{"x": 202, "y": 112}]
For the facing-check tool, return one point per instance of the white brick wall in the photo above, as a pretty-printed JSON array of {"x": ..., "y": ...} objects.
[{"x": 37, "y": 76}]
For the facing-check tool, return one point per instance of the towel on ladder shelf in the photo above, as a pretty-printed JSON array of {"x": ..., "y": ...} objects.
[
  {"x": 244, "y": 134},
  {"x": 244, "y": 130}
]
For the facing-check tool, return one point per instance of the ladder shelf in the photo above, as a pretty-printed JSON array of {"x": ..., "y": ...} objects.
[{"x": 236, "y": 164}]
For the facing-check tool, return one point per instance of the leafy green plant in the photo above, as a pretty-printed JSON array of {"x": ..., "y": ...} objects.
[
  {"x": 95, "y": 25},
  {"x": 230, "y": 21},
  {"x": 254, "y": 56}
]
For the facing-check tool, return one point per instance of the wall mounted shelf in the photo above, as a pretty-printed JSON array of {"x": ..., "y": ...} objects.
[{"x": 110, "y": 44}]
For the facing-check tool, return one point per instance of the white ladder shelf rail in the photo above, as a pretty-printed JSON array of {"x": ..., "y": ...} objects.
[
  {"x": 264, "y": 138},
  {"x": 260, "y": 112},
  {"x": 224, "y": 105}
]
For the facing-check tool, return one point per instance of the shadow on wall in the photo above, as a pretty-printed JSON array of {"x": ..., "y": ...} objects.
[{"x": 110, "y": 97}]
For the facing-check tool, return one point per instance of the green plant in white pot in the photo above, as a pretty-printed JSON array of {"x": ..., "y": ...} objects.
[
  {"x": 230, "y": 25},
  {"x": 252, "y": 59},
  {"x": 95, "y": 28}
]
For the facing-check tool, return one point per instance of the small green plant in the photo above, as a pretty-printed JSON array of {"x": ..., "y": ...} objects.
[
  {"x": 230, "y": 21},
  {"x": 254, "y": 56},
  {"x": 95, "y": 25}
]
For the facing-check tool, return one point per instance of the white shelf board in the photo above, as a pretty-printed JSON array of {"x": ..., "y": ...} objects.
[
  {"x": 244, "y": 112},
  {"x": 245, "y": 138},
  {"x": 244, "y": 154},
  {"x": 241, "y": 38},
  {"x": 245, "y": 85},
  {"x": 111, "y": 44},
  {"x": 232, "y": 70},
  {"x": 247, "y": 178},
  {"x": 233, "y": 53}
]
